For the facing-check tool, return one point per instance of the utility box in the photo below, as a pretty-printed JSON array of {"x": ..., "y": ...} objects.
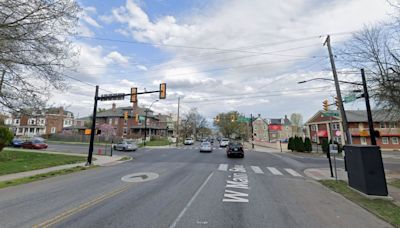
[{"x": 365, "y": 169}]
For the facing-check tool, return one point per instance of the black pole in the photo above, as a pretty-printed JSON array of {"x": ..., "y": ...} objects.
[
  {"x": 252, "y": 131},
  {"x": 369, "y": 114},
  {"x": 328, "y": 153},
  {"x": 90, "y": 153},
  {"x": 145, "y": 128}
]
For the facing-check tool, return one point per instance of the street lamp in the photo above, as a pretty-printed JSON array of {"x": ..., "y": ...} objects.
[
  {"x": 366, "y": 97},
  {"x": 145, "y": 122}
]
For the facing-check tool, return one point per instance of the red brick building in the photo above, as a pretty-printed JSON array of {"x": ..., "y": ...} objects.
[{"x": 319, "y": 127}]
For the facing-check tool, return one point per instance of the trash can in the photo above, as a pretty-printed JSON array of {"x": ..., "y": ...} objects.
[{"x": 365, "y": 169}]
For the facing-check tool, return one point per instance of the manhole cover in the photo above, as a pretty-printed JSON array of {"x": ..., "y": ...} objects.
[{"x": 139, "y": 177}]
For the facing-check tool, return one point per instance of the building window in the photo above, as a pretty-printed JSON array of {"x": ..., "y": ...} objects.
[
  {"x": 382, "y": 125},
  {"x": 125, "y": 130},
  {"x": 42, "y": 121},
  {"x": 363, "y": 141},
  {"x": 395, "y": 140},
  {"x": 335, "y": 126},
  {"x": 385, "y": 140},
  {"x": 314, "y": 127},
  {"x": 31, "y": 130},
  {"x": 314, "y": 138},
  {"x": 32, "y": 122},
  {"x": 116, "y": 121},
  {"x": 392, "y": 125},
  {"x": 125, "y": 122},
  {"x": 16, "y": 121},
  {"x": 110, "y": 121},
  {"x": 19, "y": 130},
  {"x": 337, "y": 139},
  {"x": 53, "y": 130}
]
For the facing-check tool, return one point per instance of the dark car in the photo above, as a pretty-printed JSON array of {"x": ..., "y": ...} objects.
[
  {"x": 235, "y": 149},
  {"x": 34, "y": 144},
  {"x": 16, "y": 143}
]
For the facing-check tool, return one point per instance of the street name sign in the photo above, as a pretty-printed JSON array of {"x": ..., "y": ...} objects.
[{"x": 330, "y": 114}]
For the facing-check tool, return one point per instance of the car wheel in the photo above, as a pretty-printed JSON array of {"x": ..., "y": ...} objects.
[{"x": 124, "y": 149}]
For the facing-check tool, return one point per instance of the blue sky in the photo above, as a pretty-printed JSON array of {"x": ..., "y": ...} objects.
[{"x": 217, "y": 56}]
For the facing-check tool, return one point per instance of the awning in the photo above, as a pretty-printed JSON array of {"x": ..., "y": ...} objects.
[{"x": 322, "y": 133}]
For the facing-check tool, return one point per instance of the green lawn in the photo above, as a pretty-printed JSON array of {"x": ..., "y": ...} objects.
[
  {"x": 384, "y": 209},
  {"x": 13, "y": 161},
  {"x": 159, "y": 142},
  {"x": 75, "y": 143},
  {"x": 24, "y": 180},
  {"x": 395, "y": 183}
]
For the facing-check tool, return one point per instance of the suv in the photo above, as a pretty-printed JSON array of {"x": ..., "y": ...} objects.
[
  {"x": 235, "y": 149},
  {"x": 188, "y": 141},
  {"x": 224, "y": 142}
]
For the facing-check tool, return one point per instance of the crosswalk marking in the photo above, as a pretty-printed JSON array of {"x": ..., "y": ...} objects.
[
  {"x": 293, "y": 173},
  {"x": 223, "y": 167},
  {"x": 256, "y": 169},
  {"x": 274, "y": 171}
]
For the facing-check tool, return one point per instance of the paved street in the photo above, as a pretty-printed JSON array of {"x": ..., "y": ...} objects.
[{"x": 190, "y": 189}]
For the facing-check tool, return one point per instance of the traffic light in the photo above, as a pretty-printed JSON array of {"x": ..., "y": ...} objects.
[
  {"x": 232, "y": 118},
  {"x": 337, "y": 103},
  {"x": 133, "y": 95},
  {"x": 217, "y": 118},
  {"x": 163, "y": 90},
  {"x": 126, "y": 115},
  {"x": 136, "y": 117},
  {"x": 325, "y": 105}
]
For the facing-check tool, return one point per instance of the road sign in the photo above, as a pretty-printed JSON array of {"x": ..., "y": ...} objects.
[
  {"x": 350, "y": 98},
  {"x": 330, "y": 114},
  {"x": 333, "y": 149}
]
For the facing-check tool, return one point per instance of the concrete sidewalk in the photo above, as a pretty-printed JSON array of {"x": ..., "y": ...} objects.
[
  {"x": 98, "y": 160},
  {"x": 324, "y": 174}
]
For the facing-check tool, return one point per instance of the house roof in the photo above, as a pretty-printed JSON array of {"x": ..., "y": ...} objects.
[
  {"x": 277, "y": 121},
  {"x": 119, "y": 112},
  {"x": 360, "y": 116}
]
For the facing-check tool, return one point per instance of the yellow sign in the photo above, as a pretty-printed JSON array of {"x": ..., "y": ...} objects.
[{"x": 88, "y": 131}]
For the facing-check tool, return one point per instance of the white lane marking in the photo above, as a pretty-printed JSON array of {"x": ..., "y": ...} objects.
[
  {"x": 256, "y": 169},
  {"x": 223, "y": 167},
  {"x": 340, "y": 159},
  {"x": 293, "y": 173},
  {"x": 274, "y": 171},
  {"x": 190, "y": 202}
]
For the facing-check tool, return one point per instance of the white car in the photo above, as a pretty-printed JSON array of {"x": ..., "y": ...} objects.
[
  {"x": 205, "y": 147},
  {"x": 125, "y": 146},
  {"x": 224, "y": 142},
  {"x": 188, "y": 141}
]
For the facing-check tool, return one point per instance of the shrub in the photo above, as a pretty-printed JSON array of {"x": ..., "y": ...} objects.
[
  {"x": 325, "y": 145},
  {"x": 299, "y": 144},
  {"x": 5, "y": 137},
  {"x": 291, "y": 144},
  {"x": 307, "y": 145}
]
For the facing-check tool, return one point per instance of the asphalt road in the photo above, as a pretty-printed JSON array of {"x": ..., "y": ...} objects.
[{"x": 192, "y": 190}]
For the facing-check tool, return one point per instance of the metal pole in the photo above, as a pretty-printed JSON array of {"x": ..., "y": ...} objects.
[
  {"x": 177, "y": 123},
  {"x": 145, "y": 127},
  {"x": 328, "y": 154},
  {"x": 369, "y": 114},
  {"x": 338, "y": 93},
  {"x": 334, "y": 160},
  {"x": 90, "y": 153},
  {"x": 252, "y": 131}
]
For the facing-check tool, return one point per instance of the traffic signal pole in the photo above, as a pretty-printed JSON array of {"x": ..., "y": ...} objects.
[
  {"x": 252, "y": 131},
  {"x": 90, "y": 153},
  {"x": 177, "y": 124}
]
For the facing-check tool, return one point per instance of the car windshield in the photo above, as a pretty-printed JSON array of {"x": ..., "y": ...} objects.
[
  {"x": 36, "y": 141},
  {"x": 205, "y": 144}
]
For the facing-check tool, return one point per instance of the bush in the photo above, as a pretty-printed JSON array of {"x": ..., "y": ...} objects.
[
  {"x": 5, "y": 137},
  {"x": 291, "y": 144},
  {"x": 307, "y": 145},
  {"x": 325, "y": 145},
  {"x": 299, "y": 144}
]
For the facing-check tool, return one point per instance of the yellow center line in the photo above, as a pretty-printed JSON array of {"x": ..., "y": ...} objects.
[{"x": 81, "y": 207}]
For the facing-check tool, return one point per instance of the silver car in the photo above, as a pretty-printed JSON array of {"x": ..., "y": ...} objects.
[
  {"x": 205, "y": 147},
  {"x": 125, "y": 146}
]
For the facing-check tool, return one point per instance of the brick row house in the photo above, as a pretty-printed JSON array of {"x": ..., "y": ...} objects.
[
  {"x": 319, "y": 127},
  {"x": 157, "y": 124},
  {"x": 271, "y": 129},
  {"x": 41, "y": 122}
]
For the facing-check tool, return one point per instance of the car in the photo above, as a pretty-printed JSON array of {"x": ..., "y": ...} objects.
[
  {"x": 16, "y": 142},
  {"x": 224, "y": 142},
  {"x": 188, "y": 141},
  {"x": 211, "y": 140},
  {"x": 125, "y": 146},
  {"x": 203, "y": 140},
  {"x": 205, "y": 147},
  {"x": 34, "y": 144},
  {"x": 235, "y": 149}
]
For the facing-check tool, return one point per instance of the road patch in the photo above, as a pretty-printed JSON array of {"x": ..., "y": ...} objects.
[{"x": 139, "y": 177}]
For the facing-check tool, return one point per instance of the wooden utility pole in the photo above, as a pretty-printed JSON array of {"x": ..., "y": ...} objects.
[
  {"x": 338, "y": 93},
  {"x": 177, "y": 123}
]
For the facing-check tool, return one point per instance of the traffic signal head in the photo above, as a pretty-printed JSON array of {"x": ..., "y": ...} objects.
[
  {"x": 137, "y": 117},
  {"x": 163, "y": 90},
  {"x": 133, "y": 95},
  {"x": 126, "y": 115},
  {"x": 325, "y": 105}
]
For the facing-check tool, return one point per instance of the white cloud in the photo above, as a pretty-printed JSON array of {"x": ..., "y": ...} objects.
[{"x": 115, "y": 56}]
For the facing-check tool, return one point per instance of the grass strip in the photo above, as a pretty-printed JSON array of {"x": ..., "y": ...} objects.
[
  {"x": 14, "y": 161},
  {"x": 24, "y": 180},
  {"x": 124, "y": 159},
  {"x": 395, "y": 183},
  {"x": 382, "y": 208}
]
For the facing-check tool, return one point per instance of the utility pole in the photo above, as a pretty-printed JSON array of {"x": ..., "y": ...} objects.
[
  {"x": 252, "y": 131},
  {"x": 90, "y": 154},
  {"x": 338, "y": 93},
  {"x": 177, "y": 123},
  {"x": 369, "y": 114},
  {"x": 2, "y": 79},
  {"x": 145, "y": 127}
]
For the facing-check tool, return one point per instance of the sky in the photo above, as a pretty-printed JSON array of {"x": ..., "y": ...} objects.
[{"x": 217, "y": 56}]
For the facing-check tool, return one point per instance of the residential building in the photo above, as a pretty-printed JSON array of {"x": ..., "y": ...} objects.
[
  {"x": 260, "y": 130},
  {"x": 321, "y": 127},
  {"x": 279, "y": 128}
]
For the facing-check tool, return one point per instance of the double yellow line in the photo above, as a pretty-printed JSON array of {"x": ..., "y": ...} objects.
[{"x": 81, "y": 207}]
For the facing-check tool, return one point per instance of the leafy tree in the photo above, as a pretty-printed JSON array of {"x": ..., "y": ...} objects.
[
  {"x": 5, "y": 136},
  {"x": 35, "y": 49},
  {"x": 230, "y": 128},
  {"x": 307, "y": 145},
  {"x": 297, "y": 121}
]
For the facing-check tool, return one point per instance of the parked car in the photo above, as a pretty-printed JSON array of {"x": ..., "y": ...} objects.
[
  {"x": 235, "y": 149},
  {"x": 205, "y": 147},
  {"x": 125, "y": 146},
  {"x": 224, "y": 142},
  {"x": 188, "y": 141},
  {"x": 34, "y": 144},
  {"x": 16, "y": 142}
]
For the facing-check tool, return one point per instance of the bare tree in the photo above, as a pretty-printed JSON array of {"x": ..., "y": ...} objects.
[
  {"x": 375, "y": 49},
  {"x": 195, "y": 122},
  {"x": 297, "y": 121},
  {"x": 34, "y": 49}
]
